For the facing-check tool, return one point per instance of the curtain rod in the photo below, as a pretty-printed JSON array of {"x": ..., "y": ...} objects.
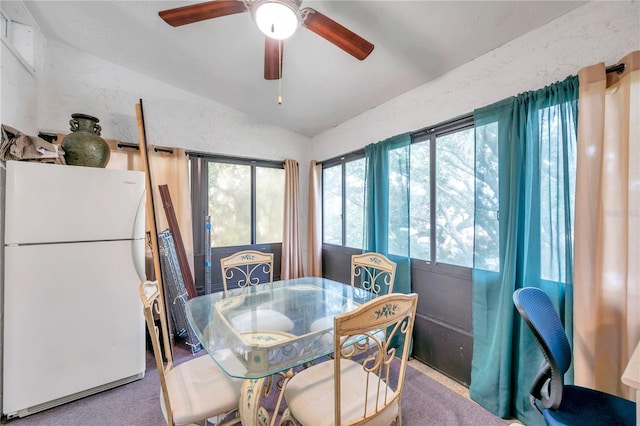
[
  {"x": 235, "y": 160},
  {"x": 453, "y": 122},
  {"x": 617, "y": 68},
  {"x": 168, "y": 150},
  {"x": 414, "y": 134},
  {"x": 127, "y": 145}
]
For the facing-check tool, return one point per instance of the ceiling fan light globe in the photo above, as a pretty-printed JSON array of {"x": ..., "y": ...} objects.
[{"x": 276, "y": 19}]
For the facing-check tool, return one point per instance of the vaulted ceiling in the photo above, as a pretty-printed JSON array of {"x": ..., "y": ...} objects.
[{"x": 222, "y": 59}]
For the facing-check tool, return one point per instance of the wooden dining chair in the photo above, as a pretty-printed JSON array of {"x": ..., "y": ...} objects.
[
  {"x": 371, "y": 271},
  {"x": 247, "y": 268},
  {"x": 194, "y": 390},
  {"x": 345, "y": 392},
  {"x": 374, "y": 272}
]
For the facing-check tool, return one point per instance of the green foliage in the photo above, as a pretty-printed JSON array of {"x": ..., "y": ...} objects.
[
  {"x": 230, "y": 204},
  {"x": 454, "y": 208}
]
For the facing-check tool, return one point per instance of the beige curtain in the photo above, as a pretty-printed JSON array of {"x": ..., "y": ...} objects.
[
  {"x": 291, "y": 265},
  {"x": 607, "y": 229},
  {"x": 315, "y": 220},
  {"x": 168, "y": 167}
]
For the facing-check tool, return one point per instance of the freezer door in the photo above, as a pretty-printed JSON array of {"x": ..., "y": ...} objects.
[
  {"x": 51, "y": 203},
  {"x": 73, "y": 320}
]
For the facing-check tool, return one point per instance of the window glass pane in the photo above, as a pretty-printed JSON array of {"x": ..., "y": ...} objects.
[
  {"x": 269, "y": 204},
  {"x": 230, "y": 204},
  {"x": 332, "y": 204},
  {"x": 399, "y": 201},
  {"x": 487, "y": 244},
  {"x": 354, "y": 198},
  {"x": 455, "y": 198},
  {"x": 557, "y": 162},
  {"x": 420, "y": 233}
]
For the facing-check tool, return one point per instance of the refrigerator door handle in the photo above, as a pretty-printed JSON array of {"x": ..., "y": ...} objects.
[
  {"x": 138, "y": 257},
  {"x": 137, "y": 238},
  {"x": 138, "y": 230}
]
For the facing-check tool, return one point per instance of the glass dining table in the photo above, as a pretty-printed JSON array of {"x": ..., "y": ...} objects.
[{"x": 259, "y": 331}]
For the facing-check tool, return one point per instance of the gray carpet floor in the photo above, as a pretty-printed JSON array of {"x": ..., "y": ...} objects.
[{"x": 424, "y": 402}]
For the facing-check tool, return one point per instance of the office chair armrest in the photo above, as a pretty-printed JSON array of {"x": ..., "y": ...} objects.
[
  {"x": 540, "y": 387},
  {"x": 545, "y": 389}
]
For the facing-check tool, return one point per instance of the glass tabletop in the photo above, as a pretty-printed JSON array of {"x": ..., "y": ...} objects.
[{"x": 260, "y": 330}]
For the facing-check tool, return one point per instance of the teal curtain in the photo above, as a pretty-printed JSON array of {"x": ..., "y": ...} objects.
[
  {"x": 386, "y": 207},
  {"x": 525, "y": 186}
]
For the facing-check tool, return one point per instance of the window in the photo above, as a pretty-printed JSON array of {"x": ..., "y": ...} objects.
[
  {"x": 557, "y": 158},
  {"x": 455, "y": 198},
  {"x": 354, "y": 203},
  {"x": 546, "y": 175},
  {"x": 441, "y": 185},
  {"x": 487, "y": 229},
  {"x": 442, "y": 194},
  {"x": 420, "y": 201},
  {"x": 244, "y": 199},
  {"x": 343, "y": 197},
  {"x": 229, "y": 204},
  {"x": 398, "y": 199},
  {"x": 332, "y": 204},
  {"x": 269, "y": 205}
]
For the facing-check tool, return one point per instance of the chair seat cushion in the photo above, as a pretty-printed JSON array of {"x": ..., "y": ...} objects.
[
  {"x": 199, "y": 389},
  {"x": 321, "y": 324},
  {"x": 588, "y": 407},
  {"x": 325, "y": 323},
  {"x": 263, "y": 320},
  {"x": 310, "y": 395}
]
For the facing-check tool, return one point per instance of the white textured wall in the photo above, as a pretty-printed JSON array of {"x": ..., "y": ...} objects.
[
  {"x": 18, "y": 82},
  {"x": 595, "y": 32},
  {"x": 18, "y": 89},
  {"x": 77, "y": 82}
]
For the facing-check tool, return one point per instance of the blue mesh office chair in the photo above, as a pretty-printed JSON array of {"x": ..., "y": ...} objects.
[{"x": 562, "y": 404}]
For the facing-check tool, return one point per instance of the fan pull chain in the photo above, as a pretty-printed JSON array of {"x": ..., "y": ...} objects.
[{"x": 280, "y": 73}]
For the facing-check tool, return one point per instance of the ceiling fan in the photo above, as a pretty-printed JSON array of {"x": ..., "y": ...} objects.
[{"x": 278, "y": 20}]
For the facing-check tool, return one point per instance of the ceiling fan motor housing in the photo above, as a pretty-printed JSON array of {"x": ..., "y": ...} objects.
[{"x": 277, "y": 19}]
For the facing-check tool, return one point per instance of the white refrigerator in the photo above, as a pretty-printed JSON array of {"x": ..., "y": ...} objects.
[{"x": 73, "y": 258}]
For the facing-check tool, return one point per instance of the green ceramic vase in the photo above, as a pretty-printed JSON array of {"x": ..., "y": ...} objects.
[{"x": 84, "y": 146}]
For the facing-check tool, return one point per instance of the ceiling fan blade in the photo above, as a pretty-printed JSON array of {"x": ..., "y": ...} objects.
[
  {"x": 201, "y": 11},
  {"x": 330, "y": 30},
  {"x": 273, "y": 52}
]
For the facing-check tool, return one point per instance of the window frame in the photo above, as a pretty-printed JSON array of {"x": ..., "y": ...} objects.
[
  {"x": 431, "y": 133},
  {"x": 199, "y": 174},
  {"x": 342, "y": 162}
]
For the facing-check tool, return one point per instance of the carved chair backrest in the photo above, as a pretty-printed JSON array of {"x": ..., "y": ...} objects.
[
  {"x": 374, "y": 271},
  {"x": 246, "y": 268}
]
